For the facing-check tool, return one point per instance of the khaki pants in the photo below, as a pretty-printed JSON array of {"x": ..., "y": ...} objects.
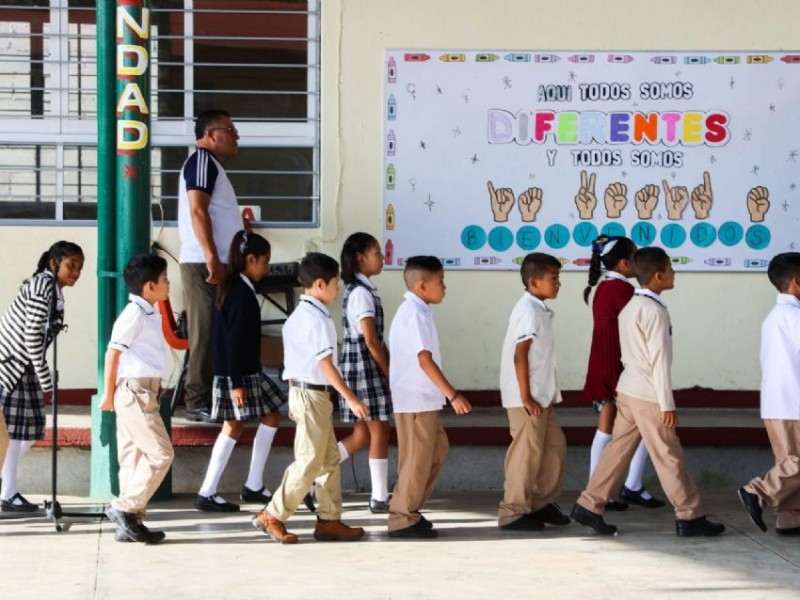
[
  {"x": 637, "y": 419},
  {"x": 199, "y": 300},
  {"x": 422, "y": 447},
  {"x": 534, "y": 465},
  {"x": 4, "y": 440},
  {"x": 316, "y": 458},
  {"x": 780, "y": 487},
  {"x": 144, "y": 449}
]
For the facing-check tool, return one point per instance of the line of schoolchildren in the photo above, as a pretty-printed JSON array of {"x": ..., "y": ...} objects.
[{"x": 628, "y": 383}]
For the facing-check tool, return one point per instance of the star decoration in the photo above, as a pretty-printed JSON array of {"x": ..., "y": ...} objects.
[
  {"x": 507, "y": 83},
  {"x": 755, "y": 169},
  {"x": 129, "y": 172},
  {"x": 474, "y": 159},
  {"x": 792, "y": 156},
  {"x": 456, "y": 131},
  {"x": 429, "y": 203}
]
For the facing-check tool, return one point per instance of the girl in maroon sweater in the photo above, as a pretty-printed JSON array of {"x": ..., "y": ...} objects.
[{"x": 614, "y": 254}]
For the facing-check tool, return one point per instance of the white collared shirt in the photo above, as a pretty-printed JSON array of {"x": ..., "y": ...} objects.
[
  {"x": 309, "y": 335},
  {"x": 650, "y": 294},
  {"x": 247, "y": 282},
  {"x": 137, "y": 334},
  {"x": 780, "y": 360},
  {"x": 360, "y": 304},
  {"x": 615, "y": 275},
  {"x": 530, "y": 319},
  {"x": 413, "y": 331}
]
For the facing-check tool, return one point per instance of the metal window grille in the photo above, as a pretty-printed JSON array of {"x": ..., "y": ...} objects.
[{"x": 258, "y": 59}]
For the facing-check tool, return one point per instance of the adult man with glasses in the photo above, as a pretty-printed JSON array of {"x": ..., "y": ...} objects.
[{"x": 208, "y": 218}]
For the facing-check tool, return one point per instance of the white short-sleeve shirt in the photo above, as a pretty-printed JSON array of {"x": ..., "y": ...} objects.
[
  {"x": 137, "y": 334},
  {"x": 780, "y": 360},
  {"x": 530, "y": 319},
  {"x": 360, "y": 304},
  {"x": 309, "y": 335},
  {"x": 413, "y": 331}
]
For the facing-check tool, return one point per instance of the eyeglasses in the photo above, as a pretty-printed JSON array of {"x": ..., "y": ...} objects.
[{"x": 232, "y": 130}]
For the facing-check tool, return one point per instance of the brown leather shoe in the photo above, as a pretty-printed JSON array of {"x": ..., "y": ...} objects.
[
  {"x": 274, "y": 528},
  {"x": 336, "y": 531}
]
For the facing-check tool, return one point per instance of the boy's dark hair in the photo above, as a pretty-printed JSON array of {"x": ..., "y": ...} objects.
[
  {"x": 623, "y": 248},
  {"x": 57, "y": 252},
  {"x": 206, "y": 119},
  {"x": 536, "y": 264},
  {"x": 356, "y": 244},
  {"x": 782, "y": 269},
  {"x": 649, "y": 261},
  {"x": 141, "y": 269},
  {"x": 420, "y": 267},
  {"x": 316, "y": 265},
  {"x": 242, "y": 244}
]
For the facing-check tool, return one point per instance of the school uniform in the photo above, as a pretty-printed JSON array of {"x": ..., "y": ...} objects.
[
  {"x": 24, "y": 372},
  {"x": 534, "y": 463},
  {"x": 309, "y": 335},
  {"x": 236, "y": 339},
  {"x": 421, "y": 440},
  {"x": 780, "y": 410},
  {"x": 644, "y": 391},
  {"x": 359, "y": 370},
  {"x": 144, "y": 449}
]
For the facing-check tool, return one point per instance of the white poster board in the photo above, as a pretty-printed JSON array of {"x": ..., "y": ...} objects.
[{"x": 491, "y": 154}]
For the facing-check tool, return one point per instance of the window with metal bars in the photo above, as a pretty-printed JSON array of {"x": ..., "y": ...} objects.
[{"x": 257, "y": 59}]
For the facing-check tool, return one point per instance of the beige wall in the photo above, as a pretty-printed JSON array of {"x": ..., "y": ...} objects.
[{"x": 716, "y": 317}]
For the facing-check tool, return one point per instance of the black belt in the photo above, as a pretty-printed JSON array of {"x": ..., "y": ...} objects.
[{"x": 311, "y": 386}]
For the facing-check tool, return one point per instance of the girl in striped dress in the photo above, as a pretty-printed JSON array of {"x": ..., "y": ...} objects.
[
  {"x": 364, "y": 362},
  {"x": 614, "y": 254},
  {"x": 24, "y": 374},
  {"x": 241, "y": 391}
]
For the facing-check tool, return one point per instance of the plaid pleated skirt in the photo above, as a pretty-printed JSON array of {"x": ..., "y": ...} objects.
[
  {"x": 23, "y": 407},
  {"x": 263, "y": 397},
  {"x": 363, "y": 375}
]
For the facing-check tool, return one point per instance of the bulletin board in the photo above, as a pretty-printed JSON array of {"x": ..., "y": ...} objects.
[{"x": 492, "y": 154}]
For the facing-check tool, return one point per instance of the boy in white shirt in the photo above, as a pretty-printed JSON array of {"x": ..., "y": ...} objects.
[
  {"x": 419, "y": 390},
  {"x": 309, "y": 356},
  {"x": 134, "y": 363},
  {"x": 780, "y": 402},
  {"x": 534, "y": 464},
  {"x": 646, "y": 407}
]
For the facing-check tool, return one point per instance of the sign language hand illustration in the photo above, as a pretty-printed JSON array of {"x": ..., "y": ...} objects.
[
  {"x": 676, "y": 200},
  {"x": 502, "y": 200},
  {"x": 758, "y": 203},
  {"x": 646, "y": 200},
  {"x": 615, "y": 199},
  {"x": 529, "y": 203},
  {"x": 702, "y": 197},
  {"x": 585, "y": 199}
]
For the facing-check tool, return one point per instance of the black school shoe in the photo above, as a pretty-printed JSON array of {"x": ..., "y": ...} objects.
[
  {"x": 378, "y": 506},
  {"x": 128, "y": 523},
  {"x": 211, "y": 505},
  {"x": 697, "y": 527},
  {"x": 153, "y": 536},
  {"x": 257, "y": 497},
  {"x": 589, "y": 519},
  {"x": 552, "y": 515},
  {"x": 18, "y": 503},
  {"x": 526, "y": 522},
  {"x": 635, "y": 497},
  {"x": 416, "y": 531},
  {"x": 787, "y": 530},
  {"x": 616, "y": 505},
  {"x": 753, "y": 507}
]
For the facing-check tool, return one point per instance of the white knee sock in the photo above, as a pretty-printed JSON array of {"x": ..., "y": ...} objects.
[
  {"x": 262, "y": 444},
  {"x": 636, "y": 470},
  {"x": 343, "y": 455},
  {"x": 599, "y": 442},
  {"x": 16, "y": 449},
  {"x": 220, "y": 456},
  {"x": 379, "y": 472}
]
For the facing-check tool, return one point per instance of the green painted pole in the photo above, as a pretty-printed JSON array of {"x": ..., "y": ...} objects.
[{"x": 104, "y": 446}]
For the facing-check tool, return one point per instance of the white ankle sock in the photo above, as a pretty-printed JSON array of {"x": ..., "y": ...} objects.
[
  {"x": 16, "y": 450},
  {"x": 636, "y": 470},
  {"x": 220, "y": 455},
  {"x": 262, "y": 444},
  {"x": 343, "y": 455},
  {"x": 379, "y": 472},
  {"x": 599, "y": 443}
]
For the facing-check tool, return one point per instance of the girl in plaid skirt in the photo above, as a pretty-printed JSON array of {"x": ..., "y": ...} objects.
[
  {"x": 24, "y": 374},
  {"x": 241, "y": 391},
  {"x": 364, "y": 362}
]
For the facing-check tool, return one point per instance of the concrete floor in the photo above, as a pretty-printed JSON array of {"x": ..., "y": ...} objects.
[{"x": 218, "y": 556}]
